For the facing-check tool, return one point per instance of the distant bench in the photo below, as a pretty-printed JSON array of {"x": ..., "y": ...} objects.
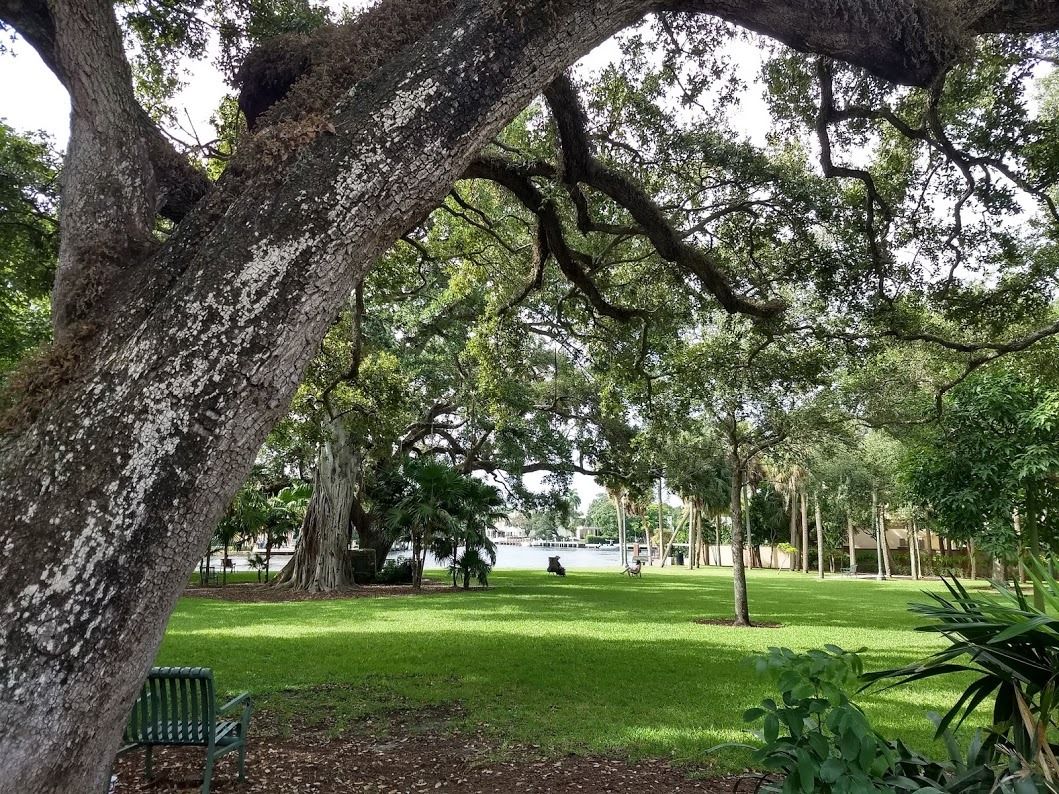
[{"x": 177, "y": 708}]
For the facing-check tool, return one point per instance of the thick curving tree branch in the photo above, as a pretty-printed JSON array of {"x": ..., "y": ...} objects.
[
  {"x": 573, "y": 263},
  {"x": 119, "y": 169},
  {"x": 580, "y": 166},
  {"x": 180, "y": 184}
]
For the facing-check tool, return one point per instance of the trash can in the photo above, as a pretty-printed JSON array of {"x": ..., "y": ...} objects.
[{"x": 680, "y": 558}]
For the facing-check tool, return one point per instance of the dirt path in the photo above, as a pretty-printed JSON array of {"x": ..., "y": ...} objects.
[{"x": 406, "y": 762}]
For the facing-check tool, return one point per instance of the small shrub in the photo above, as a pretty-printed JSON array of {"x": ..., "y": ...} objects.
[
  {"x": 397, "y": 571},
  {"x": 816, "y": 737}
]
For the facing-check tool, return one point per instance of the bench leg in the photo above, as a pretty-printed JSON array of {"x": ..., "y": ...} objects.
[
  {"x": 207, "y": 773},
  {"x": 242, "y": 761},
  {"x": 148, "y": 767}
]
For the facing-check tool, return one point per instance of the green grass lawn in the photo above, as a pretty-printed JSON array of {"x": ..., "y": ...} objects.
[{"x": 593, "y": 662}]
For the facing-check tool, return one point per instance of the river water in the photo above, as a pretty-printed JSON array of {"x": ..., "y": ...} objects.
[
  {"x": 533, "y": 557},
  {"x": 510, "y": 557}
]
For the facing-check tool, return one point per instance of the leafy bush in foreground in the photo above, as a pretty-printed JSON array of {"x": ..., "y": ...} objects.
[{"x": 818, "y": 740}]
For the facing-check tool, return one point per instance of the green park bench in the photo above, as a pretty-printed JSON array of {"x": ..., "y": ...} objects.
[{"x": 177, "y": 708}]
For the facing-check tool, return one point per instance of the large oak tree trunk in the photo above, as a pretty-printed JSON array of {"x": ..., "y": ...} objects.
[
  {"x": 112, "y": 486},
  {"x": 320, "y": 562},
  {"x": 371, "y": 534},
  {"x": 124, "y": 454}
]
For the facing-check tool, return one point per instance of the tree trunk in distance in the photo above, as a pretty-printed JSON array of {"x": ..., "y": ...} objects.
[
  {"x": 742, "y": 608},
  {"x": 698, "y": 538},
  {"x": 913, "y": 548},
  {"x": 972, "y": 560},
  {"x": 648, "y": 529},
  {"x": 999, "y": 572},
  {"x": 819, "y": 536},
  {"x": 792, "y": 508},
  {"x": 749, "y": 538},
  {"x": 318, "y": 564},
  {"x": 878, "y": 540},
  {"x": 804, "y": 504},
  {"x": 717, "y": 535},
  {"x": 885, "y": 540},
  {"x": 930, "y": 551},
  {"x": 668, "y": 549},
  {"x": 416, "y": 570},
  {"x": 1017, "y": 521},
  {"x": 691, "y": 535},
  {"x": 852, "y": 545},
  {"x": 1033, "y": 540},
  {"x": 372, "y": 535},
  {"x": 661, "y": 535}
]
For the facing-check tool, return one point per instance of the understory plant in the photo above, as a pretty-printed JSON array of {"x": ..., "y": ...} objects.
[
  {"x": 1012, "y": 648},
  {"x": 816, "y": 739}
]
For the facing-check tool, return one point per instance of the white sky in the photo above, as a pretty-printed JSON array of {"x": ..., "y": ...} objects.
[{"x": 32, "y": 100}]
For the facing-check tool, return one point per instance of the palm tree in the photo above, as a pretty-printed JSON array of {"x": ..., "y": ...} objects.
[
  {"x": 285, "y": 513},
  {"x": 481, "y": 507},
  {"x": 247, "y": 511},
  {"x": 790, "y": 478},
  {"x": 477, "y": 507},
  {"x": 428, "y": 509}
]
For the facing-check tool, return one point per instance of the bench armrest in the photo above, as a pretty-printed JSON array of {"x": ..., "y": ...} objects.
[{"x": 240, "y": 699}]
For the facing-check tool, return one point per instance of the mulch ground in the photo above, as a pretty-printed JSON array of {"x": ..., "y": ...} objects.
[
  {"x": 407, "y": 759},
  {"x": 254, "y": 593}
]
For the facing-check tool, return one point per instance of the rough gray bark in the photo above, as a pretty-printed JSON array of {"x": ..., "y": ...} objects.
[
  {"x": 108, "y": 196},
  {"x": 178, "y": 182},
  {"x": 748, "y": 538},
  {"x": 116, "y": 483},
  {"x": 120, "y": 465}
]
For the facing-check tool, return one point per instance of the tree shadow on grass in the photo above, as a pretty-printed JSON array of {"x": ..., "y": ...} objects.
[{"x": 663, "y": 696}]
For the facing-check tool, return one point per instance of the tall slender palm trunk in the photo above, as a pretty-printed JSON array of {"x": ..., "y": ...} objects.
[
  {"x": 804, "y": 503},
  {"x": 852, "y": 544},
  {"x": 877, "y": 531},
  {"x": 819, "y": 536},
  {"x": 885, "y": 540}
]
